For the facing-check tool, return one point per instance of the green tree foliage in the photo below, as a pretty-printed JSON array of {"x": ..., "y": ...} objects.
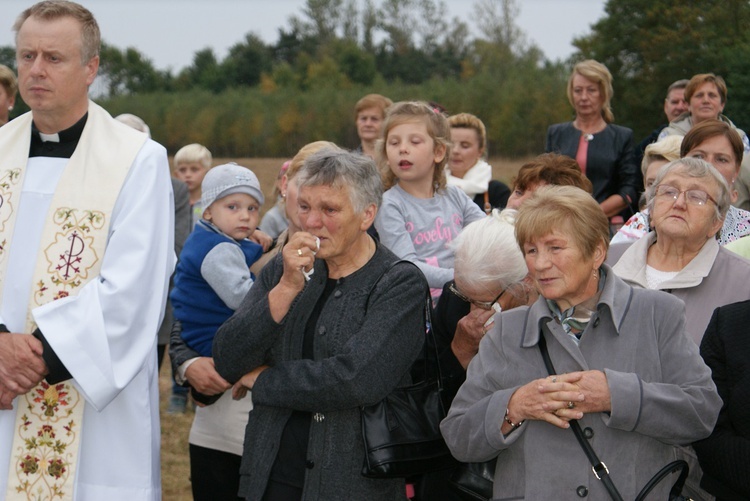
[
  {"x": 129, "y": 71},
  {"x": 204, "y": 73},
  {"x": 268, "y": 101},
  {"x": 358, "y": 66},
  {"x": 648, "y": 44},
  {"x": 8, "y": 56},
  {"x": 246, "y": 62}
]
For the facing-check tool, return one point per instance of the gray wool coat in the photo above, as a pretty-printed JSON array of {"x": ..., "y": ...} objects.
[
  {"x": 366, "y": 341},
  {"x": 661, "y": 391}
]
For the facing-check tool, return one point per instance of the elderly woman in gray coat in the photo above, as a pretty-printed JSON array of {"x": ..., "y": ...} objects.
[
  {"x": 330, "y": 325},
  {"x": 688, "y": 203},
  {"x": 624, "y": 369}
]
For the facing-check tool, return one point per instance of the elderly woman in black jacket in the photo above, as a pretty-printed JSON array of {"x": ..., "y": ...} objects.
[{"x": 330, "y": 325}]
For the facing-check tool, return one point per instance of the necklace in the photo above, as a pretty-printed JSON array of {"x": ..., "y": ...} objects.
[{"x": 589, "y": 136}]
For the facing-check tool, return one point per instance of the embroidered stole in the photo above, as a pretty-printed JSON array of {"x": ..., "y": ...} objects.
[{"x": 48, "y": 426}]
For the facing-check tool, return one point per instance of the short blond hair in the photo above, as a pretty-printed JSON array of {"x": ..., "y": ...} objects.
[
  {"x": 50, "y": 10},
  {"x": 469, "y": 121},
  {"x": 665, "y": 149},
  {"x": 194, "y": 153},
  {"x": 8, "y": 80},
  {"x": 437, "y": 128},
  {"x": 598, "y": 73},
  {"x": 563, "y": 208}
]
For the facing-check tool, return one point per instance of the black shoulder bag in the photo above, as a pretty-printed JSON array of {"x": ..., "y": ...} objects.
[
  {"x": 402, "y": 432},
  {"x": 600, "y": 469}
]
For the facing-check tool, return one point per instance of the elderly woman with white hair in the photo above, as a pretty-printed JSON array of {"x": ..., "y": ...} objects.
[{"x": 489, "y": 277}]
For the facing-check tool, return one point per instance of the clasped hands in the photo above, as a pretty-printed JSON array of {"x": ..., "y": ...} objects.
[
  {"x": 21, "y": 366},
  {"x": 558, "y": 399}
]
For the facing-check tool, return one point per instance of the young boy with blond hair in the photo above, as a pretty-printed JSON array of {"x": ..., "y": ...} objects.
[{"x": 191, "y": 163}]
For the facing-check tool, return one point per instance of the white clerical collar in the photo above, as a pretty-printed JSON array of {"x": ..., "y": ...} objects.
[{"x": 50, "y": 138}]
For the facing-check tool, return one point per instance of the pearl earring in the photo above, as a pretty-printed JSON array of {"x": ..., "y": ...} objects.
[{"x": 10, "y": 108}]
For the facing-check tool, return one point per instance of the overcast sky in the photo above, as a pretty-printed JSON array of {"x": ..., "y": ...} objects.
[{"x": 169, "y": 32}]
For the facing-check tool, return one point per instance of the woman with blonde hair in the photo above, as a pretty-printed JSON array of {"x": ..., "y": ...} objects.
[
  {"x": 603, "y": 150},
  {"x": 8, "y": 89},
  {"x": 467, "y": 167}
]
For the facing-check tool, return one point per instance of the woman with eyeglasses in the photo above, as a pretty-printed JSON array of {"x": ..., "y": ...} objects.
[
  {"x": 720, "y": 145},
  {"x": 681, "y": 255},
  {"x": 490, "y": 276},
  {"x": 688, "y": 203}
]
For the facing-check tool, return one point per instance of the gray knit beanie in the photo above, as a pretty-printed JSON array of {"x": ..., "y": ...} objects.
[{"x": 228, "y": 179}]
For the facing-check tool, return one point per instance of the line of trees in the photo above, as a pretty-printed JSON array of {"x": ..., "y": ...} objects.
[{"x": 269, "y": 99}]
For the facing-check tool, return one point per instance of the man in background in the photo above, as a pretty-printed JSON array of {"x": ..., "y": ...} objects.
[{"x": 674, "y": 106}]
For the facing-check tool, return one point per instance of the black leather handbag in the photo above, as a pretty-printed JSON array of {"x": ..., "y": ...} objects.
[
  {"x": 402, "y": 432},
  {"x": 474, "y": 481}
]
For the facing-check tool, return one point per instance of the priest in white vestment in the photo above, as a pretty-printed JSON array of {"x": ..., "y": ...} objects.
[{"x": 86, "y": 251}]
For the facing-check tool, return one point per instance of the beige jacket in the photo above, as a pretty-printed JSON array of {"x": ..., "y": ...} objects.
[{"x": 713, "y": 278}]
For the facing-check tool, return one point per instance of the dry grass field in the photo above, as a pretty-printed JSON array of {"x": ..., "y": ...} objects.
[{"x": 175, "y": 464}]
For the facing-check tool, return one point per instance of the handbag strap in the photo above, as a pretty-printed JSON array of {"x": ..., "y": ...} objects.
[
  {"x": 676, "y": 491},
  {"x": 598, "y": 467},
  {"x": 429, "y": 333}
]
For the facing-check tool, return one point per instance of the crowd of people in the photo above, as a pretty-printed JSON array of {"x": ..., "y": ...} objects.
[{"x": 589, "y": 294}]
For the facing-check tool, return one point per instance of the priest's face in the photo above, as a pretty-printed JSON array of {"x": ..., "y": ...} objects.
[{"x": 52, "y": 79}]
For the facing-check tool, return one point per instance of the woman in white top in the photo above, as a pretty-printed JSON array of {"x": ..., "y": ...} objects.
[{"x": 467, "y": 168}]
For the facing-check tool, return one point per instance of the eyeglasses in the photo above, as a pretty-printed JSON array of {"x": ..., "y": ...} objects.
[
  {"x": 485, "y": 305},
  {"x": 693, "y": 197}
]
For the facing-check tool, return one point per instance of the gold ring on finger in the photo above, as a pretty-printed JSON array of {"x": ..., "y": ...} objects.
[
  {"x": 571, "y": 405},
  {"x": 299, "y": 252}
]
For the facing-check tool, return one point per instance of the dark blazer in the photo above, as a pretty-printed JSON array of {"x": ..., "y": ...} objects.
[
  {"x": 610, "y": 166},
  {"x": 725, "y": 455}
]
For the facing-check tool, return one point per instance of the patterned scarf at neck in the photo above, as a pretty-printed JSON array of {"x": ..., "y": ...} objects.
[{"x": 578, "y": 317}]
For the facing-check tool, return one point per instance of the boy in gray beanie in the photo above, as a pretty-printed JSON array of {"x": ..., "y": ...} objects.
[{"x": 211, "y": 280}]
